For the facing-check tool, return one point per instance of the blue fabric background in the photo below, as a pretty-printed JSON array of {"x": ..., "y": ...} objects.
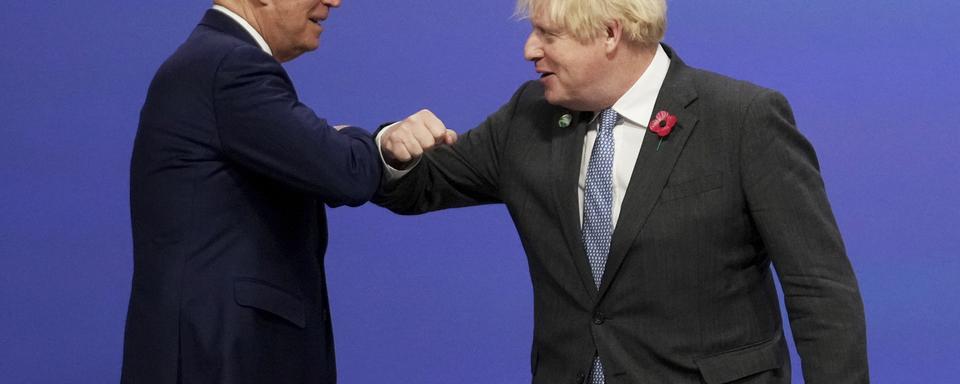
[{"x": 445, "y": 298}]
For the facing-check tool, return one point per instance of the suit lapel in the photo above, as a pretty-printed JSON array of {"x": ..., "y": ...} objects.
[
  {"x": 567, "y": 155},
  {"x": 653, "y": 166}
]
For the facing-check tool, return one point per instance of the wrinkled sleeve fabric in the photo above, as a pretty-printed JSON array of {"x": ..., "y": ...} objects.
[
  {"x": 788, "y": 202},
  {"x": 263, "y": 126},
  {"x": 463, "y": 174}
]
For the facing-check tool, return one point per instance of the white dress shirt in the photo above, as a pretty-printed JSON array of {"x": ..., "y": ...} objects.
[
  {"x": 249, "y": 28},
  {"x": 634, "y": 108}
]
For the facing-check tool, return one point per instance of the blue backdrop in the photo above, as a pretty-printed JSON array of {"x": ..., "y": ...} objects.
[{"x": 446, "y": 298}]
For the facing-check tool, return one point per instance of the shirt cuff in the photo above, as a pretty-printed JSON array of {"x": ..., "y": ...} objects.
[{"x": 392, "y": 174}]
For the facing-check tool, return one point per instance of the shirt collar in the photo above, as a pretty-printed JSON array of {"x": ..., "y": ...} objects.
[
  {"x": 249, "y": 28},
  {"x": 637, "y": 104}
]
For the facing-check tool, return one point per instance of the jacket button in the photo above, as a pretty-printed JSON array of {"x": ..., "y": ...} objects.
[
  {"x": 598, "y": 318},
  {"x": 580, "y": 378}
]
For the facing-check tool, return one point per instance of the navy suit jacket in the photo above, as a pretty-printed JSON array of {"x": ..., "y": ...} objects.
[{"x": 228, "y": 181}]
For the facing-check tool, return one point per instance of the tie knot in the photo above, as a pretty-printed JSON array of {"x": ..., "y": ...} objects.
[{"x": 608, "y": 118}]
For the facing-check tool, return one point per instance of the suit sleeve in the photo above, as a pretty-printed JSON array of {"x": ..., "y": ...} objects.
[
  {"x": 788, "y": 202},
  {"x": 263, "y": 126},
  {"x": 463, "y": 174}
]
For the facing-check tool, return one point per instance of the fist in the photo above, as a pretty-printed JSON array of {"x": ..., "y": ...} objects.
[{"x": 407, "y": 140}]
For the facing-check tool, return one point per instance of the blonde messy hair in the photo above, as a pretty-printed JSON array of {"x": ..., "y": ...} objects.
[{"x": 644, "y": 21}]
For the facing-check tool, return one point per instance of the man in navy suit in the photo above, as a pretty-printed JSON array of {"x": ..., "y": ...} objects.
[{"x": 228, "y": 181}]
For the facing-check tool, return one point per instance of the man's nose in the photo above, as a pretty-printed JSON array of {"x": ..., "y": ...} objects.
[{"x": 532, "y": 50}]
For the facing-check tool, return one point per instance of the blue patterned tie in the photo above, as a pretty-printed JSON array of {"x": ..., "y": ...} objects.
[{"x": 598, "y": 209}]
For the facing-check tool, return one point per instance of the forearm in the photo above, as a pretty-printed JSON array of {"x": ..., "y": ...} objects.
[{"x": 438, "y": 181}]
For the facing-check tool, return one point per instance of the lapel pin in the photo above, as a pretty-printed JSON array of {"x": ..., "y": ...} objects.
[
  {"x": 662, "y": 124},
  {"x": 565, "y": 120}
]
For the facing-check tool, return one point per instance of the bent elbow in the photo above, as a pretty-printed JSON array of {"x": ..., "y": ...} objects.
[
  {"x": 362, "y": 177},
  {"x": 365, "y": 183}
]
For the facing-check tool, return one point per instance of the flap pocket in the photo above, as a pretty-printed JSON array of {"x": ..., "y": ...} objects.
[
  {"x": 264, "y": 296},
  {"x": 685, "y": 188},
  {"x": 744, "y": 361}
]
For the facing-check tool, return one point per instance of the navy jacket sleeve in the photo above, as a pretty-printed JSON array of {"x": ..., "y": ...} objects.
[{"x": 263, "y": 126}]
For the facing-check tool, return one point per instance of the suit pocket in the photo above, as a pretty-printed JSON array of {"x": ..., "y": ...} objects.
[
  {"x": 258, "y": 294},
  {"x": 690, "y": 187},
  {"x": 744, "y": 361}
]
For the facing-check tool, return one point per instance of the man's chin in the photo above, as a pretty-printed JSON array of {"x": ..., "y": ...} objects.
[
  {"x": 551, "y": 95},
  {"x": 308, "y": 46},
  {"x": 555, "y": 99}
]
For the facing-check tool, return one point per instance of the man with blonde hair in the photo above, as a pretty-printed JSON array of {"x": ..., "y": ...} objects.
[{"x": 651, "y": 199}]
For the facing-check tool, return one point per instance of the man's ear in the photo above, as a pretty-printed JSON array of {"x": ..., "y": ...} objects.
[{"x": 613, "y": 35}]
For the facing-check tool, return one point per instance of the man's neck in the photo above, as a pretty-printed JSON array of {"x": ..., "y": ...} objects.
[
  {"x": 631, "y": 64},
  {"x": 242, "y": 9},
  {"x": 248, "y": 20}
]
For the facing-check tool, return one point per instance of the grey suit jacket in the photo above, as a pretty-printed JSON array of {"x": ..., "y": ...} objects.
[{"x": 688, "y": 295}]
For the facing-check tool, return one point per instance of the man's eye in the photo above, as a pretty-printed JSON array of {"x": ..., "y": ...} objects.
[{"x": 555, "y": 34}]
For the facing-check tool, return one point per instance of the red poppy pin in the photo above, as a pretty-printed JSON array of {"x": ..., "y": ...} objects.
[{"x": 662, "y": 124}]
